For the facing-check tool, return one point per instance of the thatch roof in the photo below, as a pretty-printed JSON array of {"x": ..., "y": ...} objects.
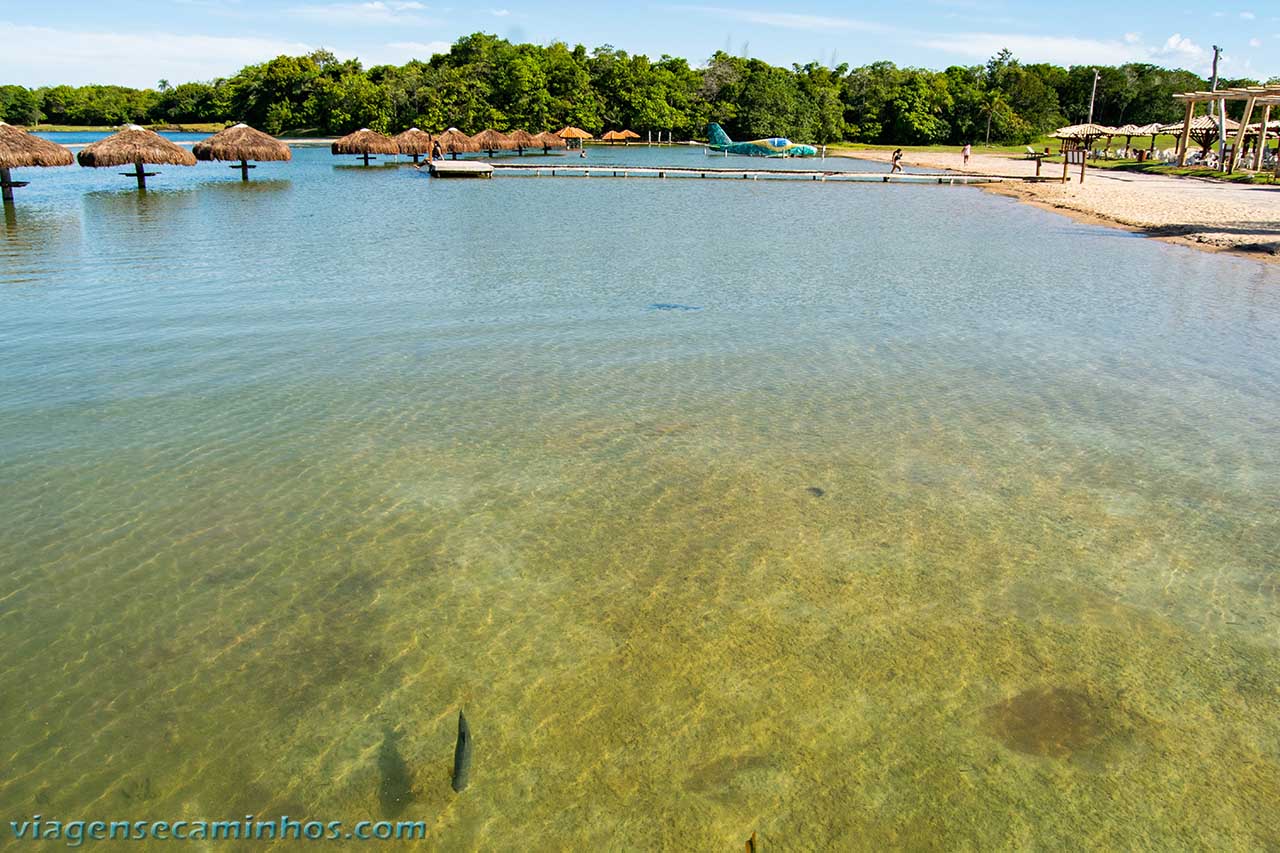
[
  {"x": 1084, "y": 131},
  {"x": 1149, "y": 129},
  {"x": 19, "y": 149},
  {"x": 613, "y": 136},
  {"x": 629, "y": 134},
  {"x": 131, "y": 145},
  {"x": 547, "y": 139},
  {"x": 572, "y": 132},
  {"x": 454, "y": 141},
  {"x": 492, "y": 140},
  {"x": 365, "y": 141},
  {"x": 413, "y": 141},
  {"x": 523, "y": 139},
  {"x": 241, "y": 142}
]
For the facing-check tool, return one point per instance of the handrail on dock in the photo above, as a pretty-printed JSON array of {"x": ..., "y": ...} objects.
[{"x": 823, "y": 175}]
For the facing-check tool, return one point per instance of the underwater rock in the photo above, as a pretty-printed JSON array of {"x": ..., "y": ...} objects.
[
  {"x": 1056, "y": 722},
  {"x": 462, "y": 755},
  {"x": 816, "y": 491}
]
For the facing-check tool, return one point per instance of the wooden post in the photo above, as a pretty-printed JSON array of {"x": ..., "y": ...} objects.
[
  {"x": 1185, "y": 139},
  {"x": 141, "y": 175},
  {"x": 1084, "y": 159},
  {"x": 244, "y": 168},
  {"x": 6, "y": 184},
  {"x": 1244, "y": 125},
  {"x": 1262, "y": 138},
  {"x": 366, "y": 158}
]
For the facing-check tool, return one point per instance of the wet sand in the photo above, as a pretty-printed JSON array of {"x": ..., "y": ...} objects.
[{"x": 1204, "y": 214}]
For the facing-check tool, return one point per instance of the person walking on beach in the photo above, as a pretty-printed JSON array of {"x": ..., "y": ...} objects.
[
  {"x": 965, "y": 152},
  {"x": 897, "y": 161}
]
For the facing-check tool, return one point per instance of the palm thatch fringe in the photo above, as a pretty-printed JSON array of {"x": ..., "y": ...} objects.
[
  {"x": 548, "y": 140},
  {"x": 414, "y": 142},
  {"x": 455, "y": 142},
  {"x": 365, "y": 142},
  {"x": 19, "y": 149},
  {"x": 241, "y": 142},
  {"x": 133, "y": 145},
  {"x": 522, "y": 139},
  {"x": 492, "y": 140}
]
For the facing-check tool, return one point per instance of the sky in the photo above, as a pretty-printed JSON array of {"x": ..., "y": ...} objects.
[{"x": 139, "y": 42}]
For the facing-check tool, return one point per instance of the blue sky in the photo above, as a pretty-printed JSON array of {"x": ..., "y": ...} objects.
[{"x": 137, "y": 42}]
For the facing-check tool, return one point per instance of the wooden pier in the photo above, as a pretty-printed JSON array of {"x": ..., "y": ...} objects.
[
  {"x": 460, "y": 169},
  {"x": 609, "y": 171}
]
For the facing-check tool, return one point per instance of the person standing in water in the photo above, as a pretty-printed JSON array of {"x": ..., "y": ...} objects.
[
  {"x": 965, "y": 152},
  {"x": 897, "y": 161}
]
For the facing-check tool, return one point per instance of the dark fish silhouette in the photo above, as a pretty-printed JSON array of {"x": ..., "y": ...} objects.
[
  {"x": 816, "y": 491},
  {"x": 462, "y": 755},
  {"x": 673, "y": 306}
]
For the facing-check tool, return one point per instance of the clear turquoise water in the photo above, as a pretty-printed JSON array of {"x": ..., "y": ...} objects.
[{"x": 296, "y": 469}]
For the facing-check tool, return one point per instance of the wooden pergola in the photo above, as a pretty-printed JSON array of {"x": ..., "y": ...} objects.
[{"x": 1253, "y": 96}]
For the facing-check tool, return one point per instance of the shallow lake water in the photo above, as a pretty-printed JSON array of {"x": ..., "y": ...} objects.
[{"x": 859, "y": 516}]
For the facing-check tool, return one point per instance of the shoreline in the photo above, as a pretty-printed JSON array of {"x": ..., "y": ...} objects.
[{"x": 1203, "y": 215}]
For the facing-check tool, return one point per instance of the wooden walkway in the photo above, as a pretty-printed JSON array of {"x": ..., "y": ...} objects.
[
  {"x": 459, "y": 169},
  {"x": 610, "y": 171}
]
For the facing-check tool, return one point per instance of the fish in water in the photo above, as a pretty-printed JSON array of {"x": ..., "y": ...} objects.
[
  {"x": 816, "y": 491},
  {"x": 673, "y": 306},
  {"x": 462, "y": 755}
]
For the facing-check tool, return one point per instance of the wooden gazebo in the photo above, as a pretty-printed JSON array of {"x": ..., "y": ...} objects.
[{"x": 1253, "y": 96}]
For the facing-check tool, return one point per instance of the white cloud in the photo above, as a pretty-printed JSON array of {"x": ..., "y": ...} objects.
[
  {"x": 1177, "y": 50},
  {"x": 40, "y": 56},
  {"x": 372, "y": 13},
  {"x": 1064, "y": 50},
  {"x": 500, "y": 13},
  {"x": 1248, "y": 16},
  {"x": 1181, "y": 51},
  {"x": 1255, "y": 42},
  {"x": 786, "y": 20}
]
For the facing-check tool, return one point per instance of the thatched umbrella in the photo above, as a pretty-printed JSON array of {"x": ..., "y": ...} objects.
[
  {"x": 1152, "y": 130},
  {"x": 548, "y": 140},
  {"x": 491, "y": 141},
  {"x": 1205, "y": 131},
  {"x": 413, "y": 141},
  {"x": 628, "y": 135},
  {"x": 454, "y": 142},
  {"x": 613, "y": 136},
  {"x": 243, "y": 143},
  {"x": 571, "y": 133},
  {"x": 364, "y": 142},
  {"x": 1084, "y": 134},
  {"x": 523, "y": 139},
  {"x": 19, "y": 149},
  {"x": 134, "y": 146}
]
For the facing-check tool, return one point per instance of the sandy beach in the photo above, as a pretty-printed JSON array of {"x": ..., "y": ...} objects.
[{"x": 1205, "y": 214}]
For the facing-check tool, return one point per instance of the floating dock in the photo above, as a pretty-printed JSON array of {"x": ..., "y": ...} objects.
[
  {"x": 460, "y": 169},
  {"x": 610, "y": 171}
]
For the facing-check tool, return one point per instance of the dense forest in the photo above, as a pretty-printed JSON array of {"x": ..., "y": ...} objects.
[{"x": 485, "y": 81}]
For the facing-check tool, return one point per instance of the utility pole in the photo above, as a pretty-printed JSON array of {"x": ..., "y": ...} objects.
[
  {"x": 1093, "y": 94},
  {"x": 1222, "y": 109}
]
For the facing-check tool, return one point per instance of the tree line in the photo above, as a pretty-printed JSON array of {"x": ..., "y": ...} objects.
[{"x": 488, "y": 82}]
